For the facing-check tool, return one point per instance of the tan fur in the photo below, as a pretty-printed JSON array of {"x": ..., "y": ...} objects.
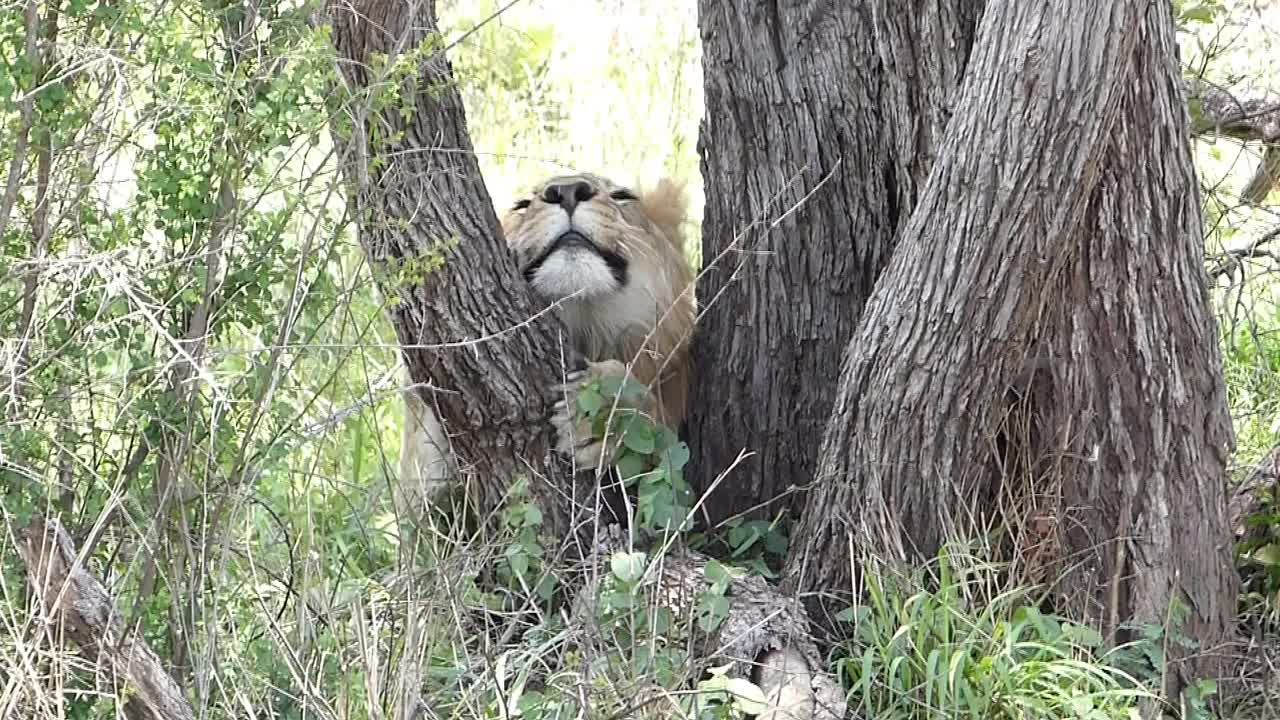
[
  {"x": 643, "y": 326},
  {"x": 647, "y": 330}
]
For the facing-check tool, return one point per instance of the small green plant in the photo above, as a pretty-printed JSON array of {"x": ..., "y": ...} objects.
[
  {"x": 643, "y": 638},
  {"x": 949, "y": 646},
  {"x": 522, "y": 566},
  {"x": 713, "y": 604},
  {"x": 1145, "y": 659},
  {"x": 721, "y": 697},
  {"x": 1186, "y": 12},
  {"x": 758, "y": 546},
  {"x": 651, "y": 459}
]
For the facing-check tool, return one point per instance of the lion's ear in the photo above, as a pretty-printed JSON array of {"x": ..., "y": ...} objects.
[{"x": 667, "y": 205}]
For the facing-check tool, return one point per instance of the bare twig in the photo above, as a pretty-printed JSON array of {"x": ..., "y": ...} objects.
[{"x": 1232, "y": 258}]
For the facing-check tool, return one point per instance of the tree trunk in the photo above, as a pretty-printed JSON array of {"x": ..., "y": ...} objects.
[
  {"x": 471, "y": 331},
  {"x": 419, "y": 185},
  {"x": 821, "y": 123},
  {"x": 1042, "y": 336}
]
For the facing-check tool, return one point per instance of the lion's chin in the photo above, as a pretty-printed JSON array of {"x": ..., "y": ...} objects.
[
  {"x": 574, "y": 272},
  {"x": 574, "y": 266}
]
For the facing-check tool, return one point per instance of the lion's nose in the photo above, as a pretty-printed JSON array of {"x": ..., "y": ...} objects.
[{"x": 568, "y": 195}]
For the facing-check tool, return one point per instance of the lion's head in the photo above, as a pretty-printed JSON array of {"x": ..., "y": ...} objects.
[{"x": 611, "y": 257}]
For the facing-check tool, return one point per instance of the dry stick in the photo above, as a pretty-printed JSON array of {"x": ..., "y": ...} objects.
[
  {"x": 77, "y": 606},
  {"x": 26, "y": 112}
]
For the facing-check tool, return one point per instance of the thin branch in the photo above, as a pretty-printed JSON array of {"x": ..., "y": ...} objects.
[
  {"x": 1232, "y": 258},
  {"x": 26, "y": 115},
  {"x": 1223, "y": 113},
  {"x": 1264, "y": 178}
]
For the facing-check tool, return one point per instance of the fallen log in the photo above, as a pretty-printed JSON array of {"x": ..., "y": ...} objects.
[
  {"x": 764, "y": 636},
  {"x": 77, "y": 606}
]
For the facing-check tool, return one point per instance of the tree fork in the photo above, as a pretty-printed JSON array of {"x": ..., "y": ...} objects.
[{"x": 426, "y": 187}]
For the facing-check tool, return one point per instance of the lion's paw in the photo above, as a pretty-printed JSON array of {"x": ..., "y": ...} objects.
[{"x": 574, "y": 436}]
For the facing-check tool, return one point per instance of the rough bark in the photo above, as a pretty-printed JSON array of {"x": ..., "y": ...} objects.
[
  {"x": 471, "y": 332},
  {"x": 77, "y": 606},
  {"x": 1145, "y": 525},
  {"x": 1056, "y": 248},
  {"x": 821, "y": 124}
]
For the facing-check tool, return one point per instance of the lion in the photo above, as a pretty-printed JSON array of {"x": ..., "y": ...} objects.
[{"x": 612, "y": 263}]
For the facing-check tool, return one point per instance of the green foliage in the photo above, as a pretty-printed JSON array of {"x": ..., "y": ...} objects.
[
  {"x": 759, "y": 546},
  {"x": 713, "y": 605},
  {"x": 1145, "y": 659},
  {"x": 954, "y": 645},
  {"x": 651, "y": 458},
  {"x": 1188, "y": 12},
  {"x": 523, "y": 566},
  {"x": 721, "y": 696},
  {"x": 201, "y": 330}
]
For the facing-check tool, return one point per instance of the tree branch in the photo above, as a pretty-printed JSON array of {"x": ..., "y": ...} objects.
[
  {"x": 1264, "y": 178},
  {"x": 1223, "y": 113},
  {"x": 1232, "y": 258},
  {"x": 1217, "y": 111},
  {"x": 429, "y": 229}
]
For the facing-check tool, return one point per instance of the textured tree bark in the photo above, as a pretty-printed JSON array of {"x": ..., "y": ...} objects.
[
  {"x": 1056, "y": 247},
  {"x": 1145, "y": 526},
  {"x": 835, "y": 111},
  {"x": 469, "y": 327}
]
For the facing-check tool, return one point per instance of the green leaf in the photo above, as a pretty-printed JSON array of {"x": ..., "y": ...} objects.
[
  {"x": 639, "y": 437},
  {"x": 748, "y": 698},
  {"x": 715, "y": 608},
  {"x": 532, "y": 514},
  {"x": 589, "y": 401},
  {"x": 1268, "y": 555},
  {"x": 631, "y": 465},
  {"x": 675, "y": 457},
  {"x": 627, "y": 567},
  {"x": 519, "y": 563},
  {"x": 546, "y": 587},
  {"x": 1082, "y": 635},
  {"x": 717, "y": 573},
  {"x": 1202, "y": 13}
]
